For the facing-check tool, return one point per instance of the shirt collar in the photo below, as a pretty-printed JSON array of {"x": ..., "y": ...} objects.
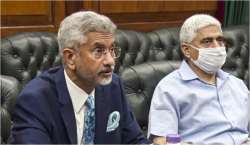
[
  {"x": 188, "y": 74},
  {"x": 222, "y": 75},
  {"x": 78, "y": 96}
]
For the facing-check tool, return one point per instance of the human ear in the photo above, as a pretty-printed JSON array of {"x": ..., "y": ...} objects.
[
  {"x": 185, "y": 49},
  {"x": 69, "y": 57}
]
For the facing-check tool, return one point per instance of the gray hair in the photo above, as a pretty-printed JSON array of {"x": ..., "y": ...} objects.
[
  {"x": 191, "y": 26},
  {"x": 72, "y": 30}
]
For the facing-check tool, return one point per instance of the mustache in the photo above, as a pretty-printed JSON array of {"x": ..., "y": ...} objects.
[{"x": 107, "y": 69}]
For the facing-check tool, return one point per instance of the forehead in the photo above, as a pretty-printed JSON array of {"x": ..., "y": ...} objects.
[
  {"x": 209, "y": 31},
  {"x": 100, "y": 37}
]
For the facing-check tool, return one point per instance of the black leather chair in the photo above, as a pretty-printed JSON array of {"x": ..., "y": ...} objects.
[
  {"x": 165, "y": 44},
  {"x": 140, "y": 47},
  {"x": 238, "y": 62},
  {"x": 10, "y": 88},
  {"x": 140, "y": 82},
  {"x": 26, "y": 55}
]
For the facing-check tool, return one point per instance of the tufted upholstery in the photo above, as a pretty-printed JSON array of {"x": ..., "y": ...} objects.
[
  {"x": 165, "y": 44},
  {"x": 136, "y": 48},
  {"x": 10, "y": 88},
  {"x": 139, "y": 47},
  {"x": 24, "y": 56},
  {"x": 238, "y": 62},
  {"x": 140, "y": 82},
  {"x": 5, "y": 125},
  {"x": 145, "y": 59}
]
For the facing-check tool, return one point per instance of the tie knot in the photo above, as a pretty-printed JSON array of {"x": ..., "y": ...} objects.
[{"x": 90, "y": 102}]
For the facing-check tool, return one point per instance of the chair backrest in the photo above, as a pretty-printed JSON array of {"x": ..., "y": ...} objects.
[
  {"x": 26, "y": 55},
  {"x": 140, "y": 82},
  {"x": 237, "y": 41},
  {"x": 139, "y": 47},
  {"x": 10, "y": 88}
]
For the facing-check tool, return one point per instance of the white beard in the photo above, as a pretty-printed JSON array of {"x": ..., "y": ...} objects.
[{"x": 106, "y": 81}]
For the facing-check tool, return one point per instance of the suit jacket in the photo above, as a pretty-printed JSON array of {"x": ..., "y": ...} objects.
[{"x": 44, "y": 113}]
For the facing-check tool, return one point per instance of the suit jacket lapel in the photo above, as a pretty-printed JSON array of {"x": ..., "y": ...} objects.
[
  {"x": 66, "y": 109},
  {"x": 101, "y": 111}
]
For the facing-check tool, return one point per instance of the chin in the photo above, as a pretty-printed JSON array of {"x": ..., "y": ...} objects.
[{"x": 106, "y": 81}]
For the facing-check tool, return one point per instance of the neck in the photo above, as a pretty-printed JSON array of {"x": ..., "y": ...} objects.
[
  {"x": 84, "y": 85},
  {"x": 208, "y": 78}
]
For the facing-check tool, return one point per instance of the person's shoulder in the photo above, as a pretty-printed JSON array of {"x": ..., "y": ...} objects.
[
  {"x": 41, "y": 84},
  {"x": 170, "y": 78},
  {"x": 47, "y": 76},
  {"x": 237, "y": 81}
]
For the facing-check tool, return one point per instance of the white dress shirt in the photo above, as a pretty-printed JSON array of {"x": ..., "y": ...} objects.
[{"x": 78, "y": 98}]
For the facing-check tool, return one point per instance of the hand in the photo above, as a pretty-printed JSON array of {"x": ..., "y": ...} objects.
[
  {"x": 246, "y": 143},
  {"x": 159, "y": 140}
]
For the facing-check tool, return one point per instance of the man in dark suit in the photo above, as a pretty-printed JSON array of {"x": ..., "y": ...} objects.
[{"x": 82, "y": 102}]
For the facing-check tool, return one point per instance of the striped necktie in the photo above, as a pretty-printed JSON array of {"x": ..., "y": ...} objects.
[{"x": 89, "y": 121}]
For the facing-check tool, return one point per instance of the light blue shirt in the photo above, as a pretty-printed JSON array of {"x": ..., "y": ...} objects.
[{"x": 201, "y": 113}]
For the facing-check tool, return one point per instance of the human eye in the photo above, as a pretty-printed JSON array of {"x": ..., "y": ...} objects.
[
  {"x": 112, "y": 49},
  {"x": 207, "y": 41},
  {"x": 98, "y": 51}
]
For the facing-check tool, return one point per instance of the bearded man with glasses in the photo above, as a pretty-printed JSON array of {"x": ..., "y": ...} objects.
[{"x": 82, "y": 102}]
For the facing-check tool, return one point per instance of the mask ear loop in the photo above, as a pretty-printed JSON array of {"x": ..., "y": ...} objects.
[
  {"x": 196, "y": 48},
  {"x": 188, "y": 44}
]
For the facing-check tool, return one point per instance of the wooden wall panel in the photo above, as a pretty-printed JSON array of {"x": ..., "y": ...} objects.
[
  {"x": 23, "y": 16},
  {"x": 74, "y": 6},
  {"x": 150, "y": 15},
  {"x": 24, "y": 8},
  {"x": 154, "y": 6}
]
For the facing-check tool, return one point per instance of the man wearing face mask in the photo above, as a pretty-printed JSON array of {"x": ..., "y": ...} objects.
[{"x": 199, "y": 101}]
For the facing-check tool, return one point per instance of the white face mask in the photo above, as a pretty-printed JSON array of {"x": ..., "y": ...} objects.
[{"x": 210, "y": 59}]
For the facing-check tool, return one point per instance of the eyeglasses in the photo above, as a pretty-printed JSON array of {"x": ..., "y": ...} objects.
[{"x": 100, "y": 52}]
